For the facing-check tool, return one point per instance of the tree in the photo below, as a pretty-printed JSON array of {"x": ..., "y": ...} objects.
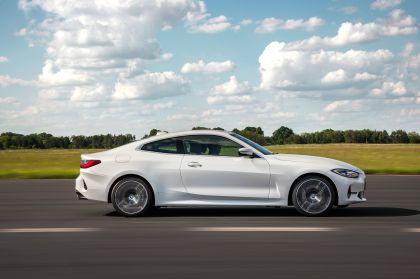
[
  {"x": 399, "y": 136},
  {"x": 255, "y": 134},
  {"x": 413, "y": 137},
  {"x": 200, "y": 128},
  {"x": 254, "y": 130},
  {"x": 281, "y": 134},
  {"x": 152, "y": 133}
]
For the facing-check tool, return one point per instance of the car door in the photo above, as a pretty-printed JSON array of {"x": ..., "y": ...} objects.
[
  {"x": 159, "y": 162},
  {"x": 212, "y": 167}
]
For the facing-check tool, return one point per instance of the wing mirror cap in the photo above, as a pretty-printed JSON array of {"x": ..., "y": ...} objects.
[{"x": 246, "y": 152}]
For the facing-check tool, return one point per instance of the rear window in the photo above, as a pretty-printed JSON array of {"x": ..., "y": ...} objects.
[{"x": 172, "y": 146}]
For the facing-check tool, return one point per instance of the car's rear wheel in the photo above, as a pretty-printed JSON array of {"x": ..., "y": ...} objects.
[
  {"x": 313, "y": 196},
  {"x": 131, "y": 196}
]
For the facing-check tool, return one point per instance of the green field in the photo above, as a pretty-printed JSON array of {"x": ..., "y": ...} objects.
[
  {"x": 46, "y": 163},
  {"x": 372, "y": 158}
]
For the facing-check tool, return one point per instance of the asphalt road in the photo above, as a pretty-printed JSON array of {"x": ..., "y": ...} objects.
[{"x": 45, "y": 232}]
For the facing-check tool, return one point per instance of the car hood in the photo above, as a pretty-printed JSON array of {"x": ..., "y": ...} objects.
[{"x": 315, "y": 160}]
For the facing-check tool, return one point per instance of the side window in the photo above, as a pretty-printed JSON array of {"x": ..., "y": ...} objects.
[
  {"x": 210, "y": 145},
  {"x": 173, "y": 146}
]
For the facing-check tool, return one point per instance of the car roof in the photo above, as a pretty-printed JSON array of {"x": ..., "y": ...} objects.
[{"x": 165, "y": 135}]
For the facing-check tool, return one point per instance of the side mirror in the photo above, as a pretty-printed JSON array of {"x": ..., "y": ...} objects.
[{"x": 245, "y": 152}]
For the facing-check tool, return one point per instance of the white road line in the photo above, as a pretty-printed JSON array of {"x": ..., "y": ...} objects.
[
  {"x": 416, "y": 230},
  {"x": 262, "y": 229},
  {"x": 47, "y": 230}
]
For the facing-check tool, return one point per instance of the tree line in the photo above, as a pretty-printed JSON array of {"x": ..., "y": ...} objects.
[
  {"x": 282, "y": 135},
  {"x": 44, "y": 141},
  {"x": 285, "y": 135}
]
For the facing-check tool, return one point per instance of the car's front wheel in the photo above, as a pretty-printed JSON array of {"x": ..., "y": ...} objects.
[
  {"x": 313, "y": 196},
  {"x": 131, "y": 196}
]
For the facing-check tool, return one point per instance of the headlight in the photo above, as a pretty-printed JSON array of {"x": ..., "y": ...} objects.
[{"x": 346, "y": 173}]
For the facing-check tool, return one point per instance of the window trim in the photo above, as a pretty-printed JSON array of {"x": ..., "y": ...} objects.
[{"x": 228, "y": 137}]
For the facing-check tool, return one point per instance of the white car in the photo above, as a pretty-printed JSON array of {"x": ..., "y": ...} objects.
[{"x": 215, "y": 168}]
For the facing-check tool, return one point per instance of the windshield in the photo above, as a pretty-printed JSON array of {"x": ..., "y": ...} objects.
[{"x": 261, "y": 149}]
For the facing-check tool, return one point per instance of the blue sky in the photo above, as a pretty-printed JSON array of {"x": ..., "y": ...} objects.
[{"x": 89, "y": 67}]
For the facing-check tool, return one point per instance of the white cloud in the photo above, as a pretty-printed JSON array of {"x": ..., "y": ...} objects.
[
  {"x": 148, "y": 108},
  {"x": 88, "y": 93},
  {"x": 166, "y": 56},
  {"x": 319, "y": 69},
  {"x": 218, "y": 99},
  {"x": 364, "y": 76},
  {"x": 103, "y": 30},
  {"x": 8, "y": 100},
  {"x": 151, "y": 86},
  {"x": 246, "y": 22},
  {"x": 53, "y": 93},
  {"x": 7, "y": 80},
  {"x": 270, "y": 25},
  {"x": 335, "y": 77},
  {"x": 232, "y": 91},
  {"x": 56, "y": 76},
  {"x": 97, "y": 42},
  {"x": 401, "y": 101},
  {"x": 211, "y": 25},
  {"x": 384, "y": 4},
  {"x": 283, "y": 115},
  {"x": 344, "y": 106},
  {"x": 181, "y": 116},
  {"x": 213, "y": 112},
  {"x": 236, "y": 27},
  {"x": 210, "y": 67},
  {"x": 232, "y": 87},
  {"x": 3, "y": 59},
  {"x": 356, "y": 33},
  {"x": 389, "y": 88},
  {"x": 242, "y": 23},
  {"x": 414, "y": 61}
]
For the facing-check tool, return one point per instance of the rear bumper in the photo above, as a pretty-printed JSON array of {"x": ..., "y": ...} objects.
[
  {"x": 87, "y": 187},
  {"x": 80, "y": 196}
]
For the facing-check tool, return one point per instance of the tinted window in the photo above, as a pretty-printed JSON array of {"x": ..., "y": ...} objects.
[
  {"x": 210, "y": 145},
  {"x": 253, "y": 144},
  {"x": 165, "y": 146}
]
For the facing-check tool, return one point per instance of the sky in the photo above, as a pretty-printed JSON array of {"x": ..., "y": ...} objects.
[{"x": 91, "y": 67}]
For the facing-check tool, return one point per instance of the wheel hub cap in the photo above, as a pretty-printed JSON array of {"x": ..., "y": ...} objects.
[
  {"x": 313, "y": 196},
  {"x": 131, "y": 197}
]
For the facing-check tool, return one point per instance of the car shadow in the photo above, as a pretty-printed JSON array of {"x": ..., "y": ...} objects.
[{"x": 275, "y": 212}]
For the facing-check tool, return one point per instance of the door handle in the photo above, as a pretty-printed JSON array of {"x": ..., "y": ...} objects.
[{"x": 194, "y": 164}]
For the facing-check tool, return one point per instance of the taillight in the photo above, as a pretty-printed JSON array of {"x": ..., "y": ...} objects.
[{"x": 84, "y": 164}]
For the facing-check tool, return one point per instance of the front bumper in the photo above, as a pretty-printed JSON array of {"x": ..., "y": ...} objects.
[{"x": 351, "y": 190}]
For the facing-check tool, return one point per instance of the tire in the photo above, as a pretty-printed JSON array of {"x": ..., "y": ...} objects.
[
  {"x": 313, "y": 196},
  {"x": 132, "y": 196}
]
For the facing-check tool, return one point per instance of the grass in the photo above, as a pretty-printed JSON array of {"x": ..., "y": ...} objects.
[
  {"x": 372, "y": 158},
  {"x": 48, "y": 163}
]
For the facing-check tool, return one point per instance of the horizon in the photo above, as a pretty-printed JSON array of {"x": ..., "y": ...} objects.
[{"x": 103, "y": 67}]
